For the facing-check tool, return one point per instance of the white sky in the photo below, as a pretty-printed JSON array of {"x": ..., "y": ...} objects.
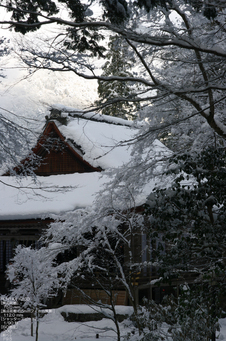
[{"x": 32, "y": 95}]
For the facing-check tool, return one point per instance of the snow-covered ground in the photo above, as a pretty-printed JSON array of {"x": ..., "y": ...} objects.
[{"x": 53, "y": 327}]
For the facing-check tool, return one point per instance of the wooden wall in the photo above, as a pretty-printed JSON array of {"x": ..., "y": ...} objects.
[
  {"x": 61, "y": 162},
  {"x": 74, "y": 296}
]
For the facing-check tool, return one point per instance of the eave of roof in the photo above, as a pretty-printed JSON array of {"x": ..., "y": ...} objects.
[{"x": 51, "y": 126}]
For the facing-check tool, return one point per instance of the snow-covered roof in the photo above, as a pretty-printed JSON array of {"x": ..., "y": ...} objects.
[
  {"x": 103, "y": 144},
  {"x": 47, "y": 196},
  {"x": 102, "y": 139}
]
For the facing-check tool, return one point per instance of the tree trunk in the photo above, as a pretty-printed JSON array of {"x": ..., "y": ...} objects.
[
  {"x": 32, "y": 325},
  {"x": 115, "y": 317},
  {"x": 213, "y": 338},
  {"x": 37, "y": 325}
]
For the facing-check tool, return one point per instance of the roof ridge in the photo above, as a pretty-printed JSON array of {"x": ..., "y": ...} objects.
[{"x": 89, "y": 115}]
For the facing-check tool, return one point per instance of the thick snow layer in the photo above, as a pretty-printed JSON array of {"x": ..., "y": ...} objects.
[
  {"x": 52, "y": 327},
  {"x": 90, "y": 115},
  {"x": 47, "y": 196},
  {"x": 104, "y": 144},
  {"x": 53, "y": 195},
  {"x": 90, "y": 309},
  {"x": 104, "y": 141}
]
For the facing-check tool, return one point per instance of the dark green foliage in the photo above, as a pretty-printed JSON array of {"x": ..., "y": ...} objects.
[
  {"x": 27, "y": 11},
  {"x": 148, "y": 5},
  {"x": 117, "y": 11},
  {"x": 210, "y": 11},
  {"x": 191, "y": 217},
  {"x": 82, "y": 40},
  {"x": 196, "y": 4},
  {"x": 119, "y": 63},
  {"x": 186, "y": 318},
  {"x": 76, "y": 9},
  {"x": 26, "y": 16}
]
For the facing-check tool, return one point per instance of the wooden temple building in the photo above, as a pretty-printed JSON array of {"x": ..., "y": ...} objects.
[{"x": 72, "y": 150}]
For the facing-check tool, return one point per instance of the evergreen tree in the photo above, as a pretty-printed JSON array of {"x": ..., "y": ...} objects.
[
  {"x": 113, "y": 94},
  {"x": 184, "y": 318},
  {"x": 190, "y": 218}
]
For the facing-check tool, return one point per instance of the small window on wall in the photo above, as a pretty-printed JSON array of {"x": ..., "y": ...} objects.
[
  {"x": 27, "y": 243},
  {"x": 144, "y": 294},
  {"x": 7, "y": 248},
  {"x": 5, "y": 254}
]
